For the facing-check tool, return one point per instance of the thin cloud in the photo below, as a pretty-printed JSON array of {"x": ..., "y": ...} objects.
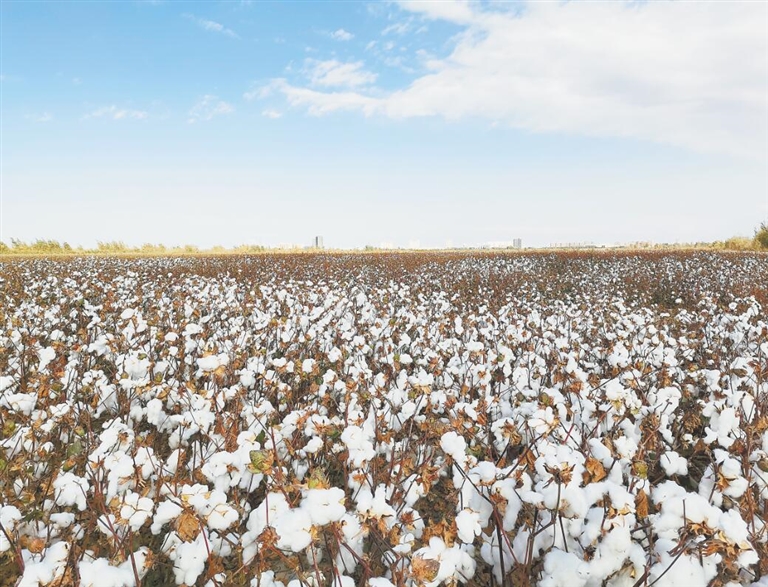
[
  {"x": 211, "y": 25},
  {"x": 41, "y": 118},
  {"x": 398, "y": 28},
  {"x": 209, "y": 107},
  {"x": 114, "y": 113},
  {"x": 332, "y": 73},
  {"x": 271, "y": 114},
  {"x": 258, "y": 92},
  {"x": 676, "y": 73},
  {"x": 319, "y": 103},
  {"x": 342, "y": 35}
]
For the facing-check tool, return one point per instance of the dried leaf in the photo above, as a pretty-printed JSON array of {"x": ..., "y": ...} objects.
[
  {"x": 424, "y": 570},
  {"x": 595, "y": 470},
  {"x": 641, "y": 504},
  {"x": 187, "y": 526}
]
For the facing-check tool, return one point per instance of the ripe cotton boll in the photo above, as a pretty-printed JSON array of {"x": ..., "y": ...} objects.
[
  {"x": 190, "y": 559},
  {"x": 359, "y": 446},
  {"x": 167, "y": 511},
  {"x": 454, "y": 446},
  {"x": 47, "y": 569},
  {"x": 136, "y": 510},
  {"x": 9, "y": 517},
  {"x": 293, "y": 530},
  {"x": 100, "y": 573},
  {"x": 324, "y": 505},
  {"x": 46, "y": 355},
  {"x": 71, "y": 490},
  {"x": 468, "y": 525},
  {"x": 673, "y": 463},
  {"x": 564, "y": 569},
  {"x": 212, "y": 362}
]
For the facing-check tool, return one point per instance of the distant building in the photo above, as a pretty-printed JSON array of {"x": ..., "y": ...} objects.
[
  {"x": 318, "y": 242},
  {"x": 517, "y": 243}
]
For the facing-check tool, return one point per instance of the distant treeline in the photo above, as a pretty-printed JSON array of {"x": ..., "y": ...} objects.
[{"x": 53, "y": 247}]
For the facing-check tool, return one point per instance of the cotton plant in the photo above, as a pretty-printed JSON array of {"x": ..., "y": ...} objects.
[{"x": 295, "y": 422}]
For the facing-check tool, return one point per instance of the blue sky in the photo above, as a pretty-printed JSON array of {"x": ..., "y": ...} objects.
[{"x": 402, "y": 123}]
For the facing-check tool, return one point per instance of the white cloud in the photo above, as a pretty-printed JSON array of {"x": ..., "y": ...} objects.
[
  {"x": 211, "y": 25},
  {"x": 319, "y": 103},
  {"x": 208, "y": 107},
  {"x": 342, "y": 35},
  {"x": 114, "y": 113},
  {"x": 273, "y": 114},
  {"x": 258, "y": 92},
  {"x": 456, "y": 11},
  {"x": 43, "y": 117},
  {"x": 399, "y": 28},
  {"x": 688, "y": 74},
  {"x": 332, "y": 73}
]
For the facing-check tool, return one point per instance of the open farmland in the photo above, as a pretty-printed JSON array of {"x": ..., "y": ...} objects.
[{"x": 561, "y": 420}]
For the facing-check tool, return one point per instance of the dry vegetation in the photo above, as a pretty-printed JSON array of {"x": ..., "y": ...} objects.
[{"x": 397, "y": 419}]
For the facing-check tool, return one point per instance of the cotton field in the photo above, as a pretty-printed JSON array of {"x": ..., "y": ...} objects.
[{"x": 558, "y": 420}]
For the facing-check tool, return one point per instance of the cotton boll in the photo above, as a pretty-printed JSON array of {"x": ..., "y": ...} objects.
[
  {"x": 723, "y": 428},
  {"x": 221, "y": 517},
  {"x": 489, "y": 551},
  {"x": 71, "y": 490},
  {"x": 266, "y": 579},
  {"x": 564, "y": 569},
  {"x": 293, "y": 529},
  {"x": 273, "y": 505},
  {"x": 359, "y": 445},
  {"x": 222, "y": 470},
  {"x": 136, "y": 510},
  {"x": 626, "y": 447},
  {"x": 217, "y": 580},
  {"x": 45, "y": 355},
  {"x": 167, "y": 511},
  {"x": 9, "y": 517},
  {"x": 685, "y": 570},
  {"x": 247, "y": 379},
  {"x": 353, "y": 535},
  {"x": 49, "y": 569},
  {"x": 189, "y": 560},
  {"x": 673, "y": 463},
  {"x": 455, "y": 446},
  {"x": 99, "y": 573},
  {"x": 22, "y": 403},
  {"x": 486, "y": 471},
  {"x": 730, "y": 472},
  {"x": 6, "y": 382},
  {"x": 324, "y": 505},
  {"x": 314, "y": 445},
  {"x": 610, "y": 555},
  {"x": 468, "y": 525},
  {"x": 735, "y": 529},
  {"x": 60, "y": 520},
  {"x": 212, "y": 362}
]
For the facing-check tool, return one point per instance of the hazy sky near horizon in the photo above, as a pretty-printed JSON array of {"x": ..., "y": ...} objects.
[{"x": 432, "y": 123}]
